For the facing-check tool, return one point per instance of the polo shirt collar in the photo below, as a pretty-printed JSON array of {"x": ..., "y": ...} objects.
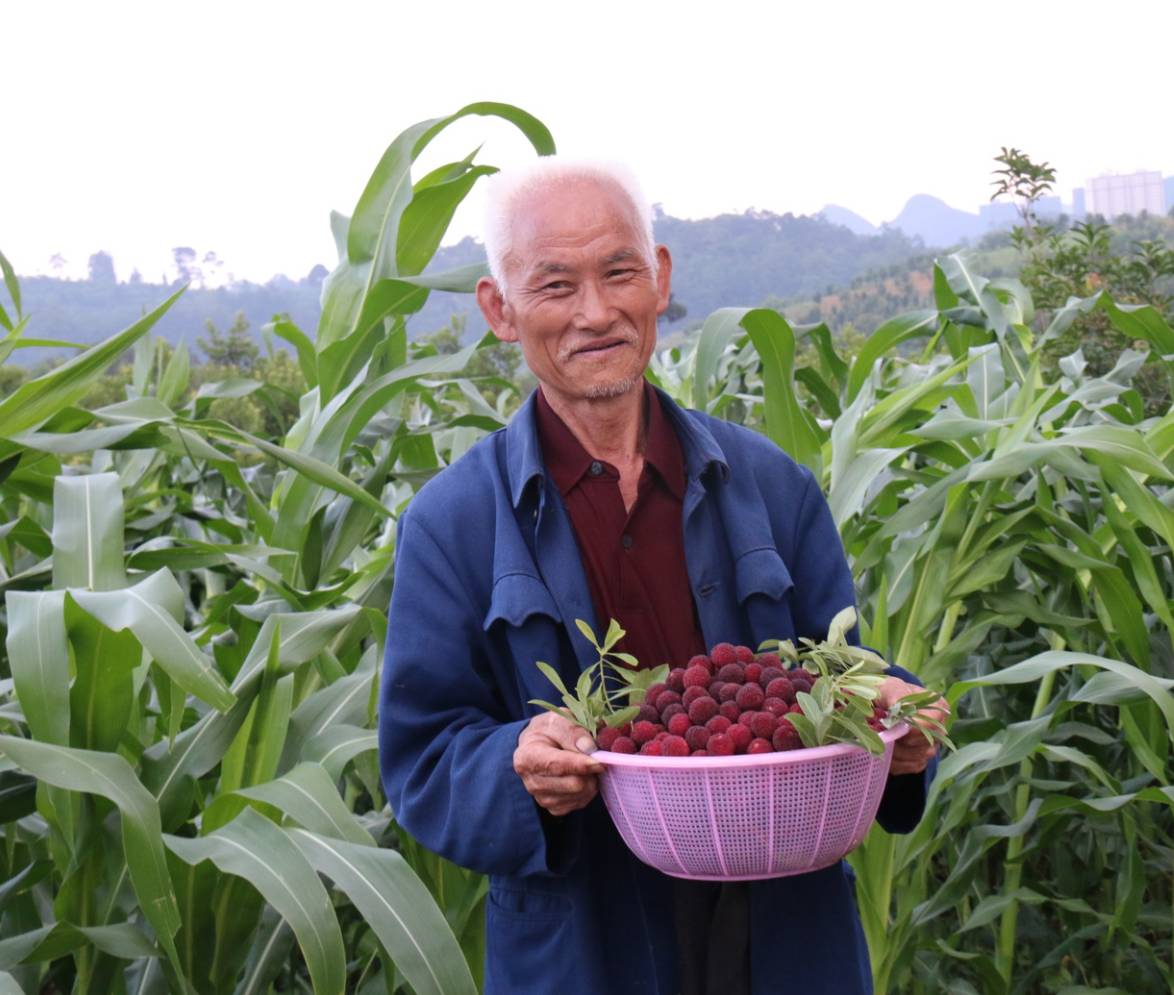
[
  {"x": 567, "y": 461},
  {"x": 524, "y": 460}
]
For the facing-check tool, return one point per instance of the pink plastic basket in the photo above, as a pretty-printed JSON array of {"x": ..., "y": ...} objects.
[{"x": 745, "y": 817}]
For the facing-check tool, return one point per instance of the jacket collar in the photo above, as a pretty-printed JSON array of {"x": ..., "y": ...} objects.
[{"x": 524, "y": 452}]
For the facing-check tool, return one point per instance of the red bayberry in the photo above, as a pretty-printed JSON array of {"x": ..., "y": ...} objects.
[
  {"x": 728, "y": 692},
  {"x": 666, "y": 698},
  {"x": 760, "y": 746},
  {"x": 771, "y": 674},
  {"x": 670, "y": 710},
  {"x": 643, "y": 732},
  {"x": 754, "y": 672},
  {"x": 763, "y": 725},
  {"x": 699, "y": 753},
  {"x": 770, "y": 660},
  {"x": 795, "y": 709},
  {"x": 776, "y": 706},
  {"x": 741, "y": 737},
  {"x": 746, "y": 718},
  {"x": 607, "y": 737},
  {"x": 676, "y": 680},
  {"x": 674, "y": 746},
  {"x": 780, "y": 687},
  {"x": 715, "y": 689},
  {"x": 653, "y": 690},
  {"x": 623, "y": 745},
  {"x": 744, "y": 654},
  {"x": 702, "y": 710},
  {"x": 723, "y": 653},
  {"x": 696, "y": 677},
  {"x": 720, "y": 745},
  {"x": 678, "y": 724},
  {"x": 692, "y": 694},
  {"x": 750, "y": 697},
  {"x": 719, "y": 723},
  {"x": 733, "y": 673},
  {"x": 786, "y": 737},
  {"x": 647, "y": 714},
  {"x": 730, "y": 710},
  {"x": 697, "y": 737},
  {"x": 652, "y": 749},
  {"x": 701, "y": 660}
]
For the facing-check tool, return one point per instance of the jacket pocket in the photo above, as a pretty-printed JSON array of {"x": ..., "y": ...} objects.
[
  {"x": 761, "y": 571},
  {"x": 516, "y": 597}
]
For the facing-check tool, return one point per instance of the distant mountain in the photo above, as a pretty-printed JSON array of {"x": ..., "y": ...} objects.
[
  {"x": 837, "y": 215},
  {"x": 731, "y": 260},
  {"x": 936, "y": 223}
]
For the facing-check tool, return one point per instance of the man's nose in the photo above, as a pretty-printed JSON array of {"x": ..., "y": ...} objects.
[{"x": 594, "y": 311}]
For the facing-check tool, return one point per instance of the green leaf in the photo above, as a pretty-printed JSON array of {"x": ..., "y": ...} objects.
[
  {"x": 552, "y": 676},
  {"x": 174, "y": 380},
  {"x": 337, "y": 745},
  {"x": 253, "y": 848},
  {"x": 88, "y": 532},
  {"x": 38, "y": 658},
  {"x": 121, "y": 940},
  {"x": 397, "y": 907},
  {"x": 718, "y": 331},
  {"x": 11, "y": 282},
  {"x": 307, "y": 358},
  {"x": 900, "y": 329},
  {"x": 787, "y": 423},
  {"x": 148, "y": 609},
  {"x": 307, "y": 795},
  {"x": 1050, "y": 661},
  {"x": 312, "y": 469},
  {"x": 35, "y": 401},
  {"x": 110, "y": 776}
]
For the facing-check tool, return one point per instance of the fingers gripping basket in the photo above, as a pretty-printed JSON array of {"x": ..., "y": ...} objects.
[{"x": 744, "y": 817}]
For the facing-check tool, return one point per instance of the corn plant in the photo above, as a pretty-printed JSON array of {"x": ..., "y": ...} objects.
[
  {"x": 1011, "y": 540},
  {"x": 194, "y": 622}
]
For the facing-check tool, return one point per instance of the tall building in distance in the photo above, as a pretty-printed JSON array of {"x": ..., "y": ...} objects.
[{"x": 1131, "y": 193}]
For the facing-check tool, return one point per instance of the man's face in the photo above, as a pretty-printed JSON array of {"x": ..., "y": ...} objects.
[{"x": 582, "y": 299}]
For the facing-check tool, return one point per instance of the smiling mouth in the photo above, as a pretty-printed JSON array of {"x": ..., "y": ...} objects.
[{"x": 599, "y": 348}]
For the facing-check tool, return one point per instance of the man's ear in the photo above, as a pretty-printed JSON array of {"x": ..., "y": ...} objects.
[
  {"x": 493, "y": 306},
  {"x": 664, "y": 278}
]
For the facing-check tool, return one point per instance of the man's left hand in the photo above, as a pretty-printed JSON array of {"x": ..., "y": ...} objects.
[{"x": 913, "y": 751}]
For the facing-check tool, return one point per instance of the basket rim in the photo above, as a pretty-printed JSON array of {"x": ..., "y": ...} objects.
[{"x": 608, "y": 757}]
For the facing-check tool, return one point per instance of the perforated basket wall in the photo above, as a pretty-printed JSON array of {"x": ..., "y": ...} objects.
[{"x": 744, "y": 817}]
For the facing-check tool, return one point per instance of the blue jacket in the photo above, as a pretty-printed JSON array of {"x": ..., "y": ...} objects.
[{"x": 488, "y": 581}]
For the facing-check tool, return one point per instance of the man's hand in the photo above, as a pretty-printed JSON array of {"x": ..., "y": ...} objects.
[
  {"x": 552, "y": 761},
  {"x": 913, "y": 751}
]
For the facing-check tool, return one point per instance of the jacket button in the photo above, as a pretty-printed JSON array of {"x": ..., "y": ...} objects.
[
  {"x": 627, "y": 541},
  {"x": 596, "y": 468}
]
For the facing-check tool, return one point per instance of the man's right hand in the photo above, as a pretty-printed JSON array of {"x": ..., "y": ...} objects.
[{"x": 552, "y": 761}]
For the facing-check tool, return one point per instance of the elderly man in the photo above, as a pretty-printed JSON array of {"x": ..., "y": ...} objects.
[{"x": 602, "y": 498}]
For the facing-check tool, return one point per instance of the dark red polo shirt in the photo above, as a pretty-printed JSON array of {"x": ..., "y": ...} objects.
[{"x": 634, "y": 561}]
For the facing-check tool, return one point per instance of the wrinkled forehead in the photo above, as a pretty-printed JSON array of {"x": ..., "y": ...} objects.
[{"x": 572, "y": 214}]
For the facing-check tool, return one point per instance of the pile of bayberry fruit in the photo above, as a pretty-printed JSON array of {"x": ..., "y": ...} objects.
[{"x": 733, "y": 701}]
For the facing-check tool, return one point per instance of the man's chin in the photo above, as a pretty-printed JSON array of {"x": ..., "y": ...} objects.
[{"x": 609, "y": 389}]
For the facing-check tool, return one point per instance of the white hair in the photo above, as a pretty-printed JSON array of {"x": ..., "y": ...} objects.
[{"x": 506, "y": 189}]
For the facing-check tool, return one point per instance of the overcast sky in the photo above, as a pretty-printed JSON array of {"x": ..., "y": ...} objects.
[{"x": 237, "y": 126}]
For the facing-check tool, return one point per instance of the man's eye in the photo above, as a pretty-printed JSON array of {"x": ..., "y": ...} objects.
[
  {"x": 620, "y": 273},
  {"x": 556, "y": 285}
]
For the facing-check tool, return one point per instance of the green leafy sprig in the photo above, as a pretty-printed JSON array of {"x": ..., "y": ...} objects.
[
  {"x": 850, "y": 677},
  {"x": 609, "y": 691}
]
